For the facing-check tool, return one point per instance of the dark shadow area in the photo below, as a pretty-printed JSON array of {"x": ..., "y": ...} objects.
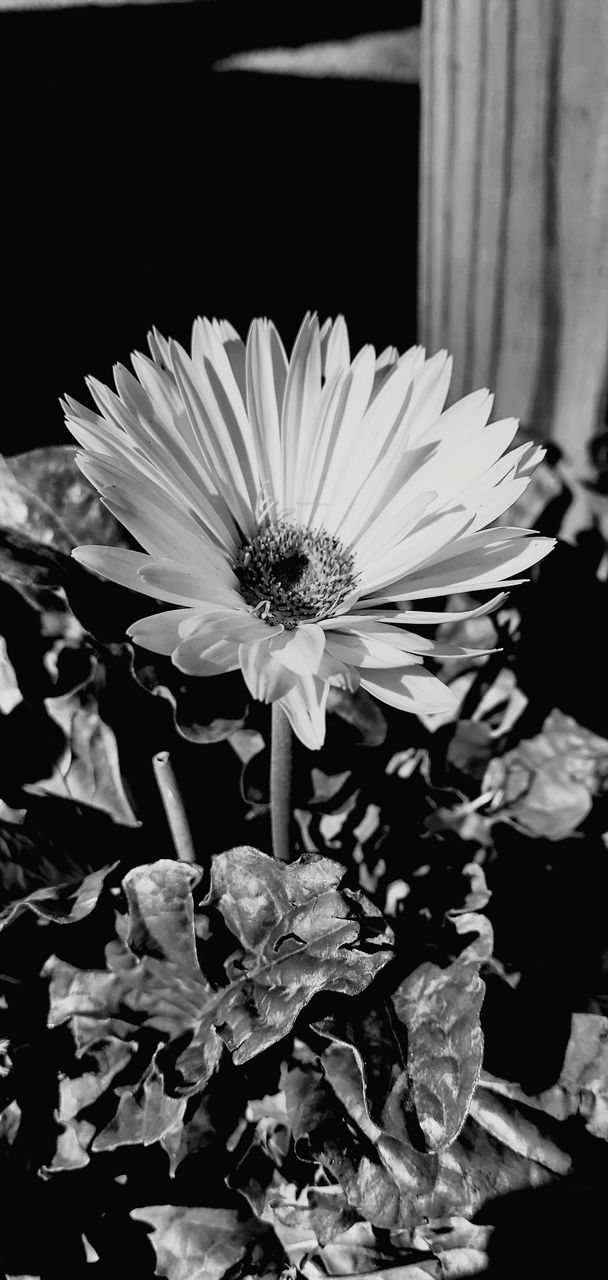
[
  {"x": 141, "y": 188},
  {"x": 550, "y": 1231}
]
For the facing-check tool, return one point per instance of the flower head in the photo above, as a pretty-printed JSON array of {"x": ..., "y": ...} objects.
[{"x": 293, "y": 511}]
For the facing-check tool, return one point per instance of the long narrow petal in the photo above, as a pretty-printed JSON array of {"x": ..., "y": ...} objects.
[
  {"x": 492, "y": 568},
  {"x": 335, "y": 348},
  {"x": 204, "y": 585},
  {"x": 300, "y": 403},
  {"x": 376, "y": 644},
  {"x": 263, "y": 354},
  {"x": 150, "y": 513},
  {"x": 430, "y": 539},
  {"x": 361, "y": 650},
  {"x": 225, "y": 458},
  {"x": 415, "y": 617},
  {"x": 160, "y": 631},
  {"x": 118, "y": 566},
  {"x": 305, "y": 706},
  {"x": 210, "y": 358},
  {"x": 410, "y": 689},
  {"x": 325, "y": 462}
]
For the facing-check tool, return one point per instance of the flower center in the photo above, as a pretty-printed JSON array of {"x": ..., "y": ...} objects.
[{"x": 291, "y": 574}]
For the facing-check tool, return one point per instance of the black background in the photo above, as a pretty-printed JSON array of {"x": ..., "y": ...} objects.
[{"x": 141, "y": 187}]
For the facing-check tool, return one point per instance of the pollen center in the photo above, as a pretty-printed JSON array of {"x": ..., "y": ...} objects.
[{"x": 291, "y": 574}]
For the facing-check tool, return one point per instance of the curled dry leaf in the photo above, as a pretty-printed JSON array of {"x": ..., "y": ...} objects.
[
  {"x": 204, "y": 711},
  {"x": 518, "y": 1130},
  {"x": 475, "y": 1168},
  {"x": 193, "y": 1243},
  {"x": 545, "y": 786},
  {"x": 76, "y": 1094},
  {"x": 299, "y": 935},
  {"x": 441, "y": 1008},
  {"x": 61, "y": 903},
  {"x": 145, "y": 1115},
  {"x": 44, "y": 493},
  {"x": 89, "y": 771},
  {"x": 584, "y": 1075}
]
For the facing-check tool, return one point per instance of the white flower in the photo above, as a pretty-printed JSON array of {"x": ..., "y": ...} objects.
[{"x": 292, "y": 511}]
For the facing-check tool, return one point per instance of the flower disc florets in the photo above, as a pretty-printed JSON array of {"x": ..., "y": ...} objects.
[{"x": 292, "y": 574}]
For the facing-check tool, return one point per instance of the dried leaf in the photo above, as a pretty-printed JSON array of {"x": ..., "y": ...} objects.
[
  {"x": 61, "y": 903},
  {"x": 510, "y": 1124},
  {"x": 51, "y": 499},
  {"x": 193, "y": 1243},
  {"x": 440, "y": 1008},
  {"x": 545, "y": 786},
  {"x": 10, "y": 693},
  {"x": 78, "y": 1093},
  {"x": 144, "y": 1116},
  {"x": 319, "y": 1214},
  {"x": 24, "y": 510},
  {"x": 584, "y": 1075},
  {"x": 204, "y": 711},
  {"x": 324, "y": 1131},
  {"x": 89, "y": 771},
  {"x": 195, "y": 1134},
  {"x": 161, "y": 913},
  {"x": 300, "y": 935}
]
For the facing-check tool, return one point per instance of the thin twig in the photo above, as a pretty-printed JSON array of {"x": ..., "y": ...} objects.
[{"x": 173, "y": 806}]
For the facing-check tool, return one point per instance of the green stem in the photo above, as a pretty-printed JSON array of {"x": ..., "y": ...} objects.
[
  {"x": 174, "y": 806},
  {"x": 280, "y": 783}
]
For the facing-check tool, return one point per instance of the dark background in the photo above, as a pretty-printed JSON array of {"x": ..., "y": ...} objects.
[{"x": 141, "y": 187}]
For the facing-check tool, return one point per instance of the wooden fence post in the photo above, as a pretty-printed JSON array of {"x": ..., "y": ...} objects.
[{"x": 514, "y": 206}]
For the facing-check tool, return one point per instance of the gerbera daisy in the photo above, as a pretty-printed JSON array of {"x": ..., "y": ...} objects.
[{"x": 294, "y": 511}]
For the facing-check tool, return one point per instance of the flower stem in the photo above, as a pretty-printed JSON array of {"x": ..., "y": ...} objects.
[
  {"x": 174, "y": 806},
  {"x": 280, "y": 783}
]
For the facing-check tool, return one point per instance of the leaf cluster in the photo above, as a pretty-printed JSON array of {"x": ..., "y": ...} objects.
[{"x": 385, "y": 1057}]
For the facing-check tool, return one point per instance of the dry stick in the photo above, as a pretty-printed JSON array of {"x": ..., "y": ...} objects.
[
  {"x": 280, "y": 783},
  {"x": 173, "y": 806}
]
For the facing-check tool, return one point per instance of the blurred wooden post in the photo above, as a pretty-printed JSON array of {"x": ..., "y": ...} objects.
[{"x": 514, "y": 206}]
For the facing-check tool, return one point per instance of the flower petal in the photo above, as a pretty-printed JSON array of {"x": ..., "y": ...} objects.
[
  {"x": 194, "y": 659},
  {"x": 116, "y": 564},
  {"x": 174, "y": 581},
  {"x": 152, "y": 516},
  {"x": 410, "y": 689},
  {"x": 237, "y": 625},
  {"x": 300, "y": 650},
  {"x": 381, "y": 645},
  {"x": 305, "y": 706},
  {"x": 476, "y": 571},
  {"x": 223, "y": 452},
  {"x": 335, "y": 349},
  {"x": 266, "y": 372},
  {"x": 300, "y": 402},
  {"x": 266, "y": 677},
  {"x": 415, "y": 617},
  {"x": 159, "y": 632},
  {"x": 358, "y": 649},
  {"x": 430, "y": 538}
]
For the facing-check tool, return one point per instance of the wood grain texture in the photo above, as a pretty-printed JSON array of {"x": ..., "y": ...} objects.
[{"x": 514, "y": 206}]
